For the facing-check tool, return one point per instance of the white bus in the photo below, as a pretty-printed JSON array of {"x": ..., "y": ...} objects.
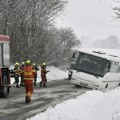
[{"x": 96, "y": 70}]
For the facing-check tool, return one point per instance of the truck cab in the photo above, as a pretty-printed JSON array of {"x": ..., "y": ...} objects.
[{"x": 5, "y": 82}]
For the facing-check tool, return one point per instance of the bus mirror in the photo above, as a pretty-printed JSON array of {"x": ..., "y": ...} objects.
[{"x": 73, "y": 55}]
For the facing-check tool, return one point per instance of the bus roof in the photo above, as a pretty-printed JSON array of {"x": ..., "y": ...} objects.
[{"x": 102, "y": 54}]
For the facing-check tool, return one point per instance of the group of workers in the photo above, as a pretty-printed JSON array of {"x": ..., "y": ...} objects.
[{"x": 28, "y": 73}]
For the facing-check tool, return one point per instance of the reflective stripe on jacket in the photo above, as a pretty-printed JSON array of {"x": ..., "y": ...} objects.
[{"x": 28, "y": 73}]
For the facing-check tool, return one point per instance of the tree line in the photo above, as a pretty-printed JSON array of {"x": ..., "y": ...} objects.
[{"x": 33, "y": 35}]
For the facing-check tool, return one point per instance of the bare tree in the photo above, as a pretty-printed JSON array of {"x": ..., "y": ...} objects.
[
  {"x": 116, "y": 9},
  {"x": 59, "y": 46},
  {"x": 26, "y": 21}
]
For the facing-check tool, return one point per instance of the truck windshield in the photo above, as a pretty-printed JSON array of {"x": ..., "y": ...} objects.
[
  {"x": 91, "y": 64},
  {"x": 6, "y": 54}
]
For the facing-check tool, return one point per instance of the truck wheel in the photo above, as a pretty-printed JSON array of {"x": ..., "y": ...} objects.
[{"x": 5, "y": 90}]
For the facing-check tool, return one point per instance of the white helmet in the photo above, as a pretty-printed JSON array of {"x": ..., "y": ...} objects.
[{"x": 44, "y": 64}]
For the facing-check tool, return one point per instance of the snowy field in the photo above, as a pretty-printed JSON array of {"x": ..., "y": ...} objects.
[{"x": 93, "y": 105}]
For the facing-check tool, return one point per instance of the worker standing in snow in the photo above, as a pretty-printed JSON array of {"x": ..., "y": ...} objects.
[
  {"x": 35, "y": 68},
  {"x": 43, "y": 75},
  {"x": 21, "y": 73},
  {"x": 16, "y": 74},
  {"x": 28, "y": 73},
  {"x": 70, "y": 72}
]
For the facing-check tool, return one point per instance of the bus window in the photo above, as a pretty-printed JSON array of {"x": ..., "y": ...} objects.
[
  {"x": 91, "y": 64},
  {"x": 118, "y": 71},
  {"x": 115, "y": 66}
]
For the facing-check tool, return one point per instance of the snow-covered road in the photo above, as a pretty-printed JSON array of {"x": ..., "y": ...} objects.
[{"x": 15, "y": 108}]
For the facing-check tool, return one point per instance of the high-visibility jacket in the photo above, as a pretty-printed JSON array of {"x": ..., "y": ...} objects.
[
  {"x": 35, "y": 68},
  {"x": 28, "y": 73},
  {"x": 43, "y": 74},
  {"x": 16, "y": 71},
  {"x": 43, "y": 71}
]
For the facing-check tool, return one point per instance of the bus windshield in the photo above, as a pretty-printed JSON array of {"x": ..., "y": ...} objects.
[{"x": 91, "y": 64}]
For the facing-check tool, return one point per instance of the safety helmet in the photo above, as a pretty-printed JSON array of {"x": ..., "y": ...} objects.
[
  {"x": 44, "y": 64},
  {"x": 16, "y": 64},
  {"x": 27, "y": 62},
  {"x": 22, "y": 63}
]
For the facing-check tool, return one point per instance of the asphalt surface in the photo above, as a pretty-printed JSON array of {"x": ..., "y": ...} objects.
[{"x": 14, "y": 107}]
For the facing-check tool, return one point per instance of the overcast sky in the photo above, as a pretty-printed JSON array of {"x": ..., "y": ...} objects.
[{"x": 93, "y": 18}]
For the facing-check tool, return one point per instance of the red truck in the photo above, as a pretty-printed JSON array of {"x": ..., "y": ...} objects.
[{"x": 5, "y": 82}]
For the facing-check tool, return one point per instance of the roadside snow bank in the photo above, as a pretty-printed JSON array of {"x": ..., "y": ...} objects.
[
  {"x": 55, "y": 73},
  {"x": 93, "y": 105}
]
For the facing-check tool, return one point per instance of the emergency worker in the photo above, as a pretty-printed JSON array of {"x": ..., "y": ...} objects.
[
  {"x": 43, "y": 75},
  {"x": 16, "y": 74},
  {"x": 28, "y": 80},
  {"x": 35, "y": 68},
  {"x": 70, "y": 72},
  {"x": 21, "y": 73}
]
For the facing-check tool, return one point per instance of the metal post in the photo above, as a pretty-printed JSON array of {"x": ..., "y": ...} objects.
[{"x": 2, "y": 54}]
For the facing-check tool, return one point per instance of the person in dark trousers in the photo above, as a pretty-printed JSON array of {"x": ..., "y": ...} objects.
[
  {"x": 43, "y": 75},
  {"x": 28, "y": 73},
  {"x": 16, "y": 74},
  {"x": 21, "y": 73},
  {"x": 35, "y": 76},
  {"x": 70, "y": 72}
]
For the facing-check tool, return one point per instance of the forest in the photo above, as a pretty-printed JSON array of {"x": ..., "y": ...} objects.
[{"x": 33, "y": 34}]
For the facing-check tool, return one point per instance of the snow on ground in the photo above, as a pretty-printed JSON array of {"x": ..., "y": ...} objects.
[
  {"x": 93, "y": 105},
  {"x": 55, "y": 73}
]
